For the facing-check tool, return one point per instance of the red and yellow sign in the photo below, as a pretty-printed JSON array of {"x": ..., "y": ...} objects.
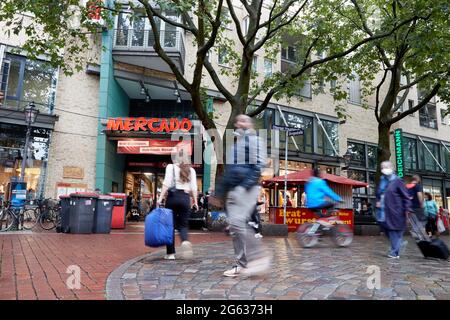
[
  {"x": 298, "y": 216},
  {"x": 152, "y": 146},
  {"x": 152, "y": 124}
]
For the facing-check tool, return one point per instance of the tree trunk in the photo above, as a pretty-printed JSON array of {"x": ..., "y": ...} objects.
[{"x": 384, "y": 147}]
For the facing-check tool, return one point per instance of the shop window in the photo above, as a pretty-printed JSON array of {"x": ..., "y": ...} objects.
[
  {"x": 410, "y": 153},
  {"x": 27, "y": 81},
  {"x": 372, "y": 186},
  {"x": 434, "y": 187},
  {"x": 446, "y": 153},
  {"x": 358, "y": 154},
  {"x": 323, "y": 144},
  {"x": 428, "y": 117},
  {"x": 427, "y": 160},
  {"x": 358, "y": 175},
  {"x": 372, "y": 156}
]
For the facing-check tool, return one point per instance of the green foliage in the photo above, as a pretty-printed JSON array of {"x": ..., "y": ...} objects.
[{"x": 61, "y": 30}]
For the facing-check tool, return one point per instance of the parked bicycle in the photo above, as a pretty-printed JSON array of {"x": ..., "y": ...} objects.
[
  {"x": 308, "y": 234},
  {"x": 46, "y": 213},
  {"x": 10, "y": 216}
]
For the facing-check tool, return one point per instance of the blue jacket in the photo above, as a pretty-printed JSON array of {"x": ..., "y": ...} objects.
[
  {"x": 245, "y": 161},
  {"x": 316, "y": 190}
]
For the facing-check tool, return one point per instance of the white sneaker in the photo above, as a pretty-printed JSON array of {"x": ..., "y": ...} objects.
[
  {"x": 233, "y": 272},
  {"x": 169, "y": 257},
  {"x": 258, "y": 235},
  {"x": 258, "y": 266},
  {"x": 186, "y": 250}
]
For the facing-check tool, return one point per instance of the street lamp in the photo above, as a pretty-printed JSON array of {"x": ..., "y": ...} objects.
[
  {"x": 30, "y": 117},
  {"x": 347, "y": 158}
]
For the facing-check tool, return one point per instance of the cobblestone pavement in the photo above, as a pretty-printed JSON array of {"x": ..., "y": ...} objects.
[
  {"x": 33, "y": 265},
  {"x": 324, "y": 272}
]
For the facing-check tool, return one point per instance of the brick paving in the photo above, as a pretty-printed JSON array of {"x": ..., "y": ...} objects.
[
  {"x": 324, "y": 272},
  {"x": 33, "y": 265}
]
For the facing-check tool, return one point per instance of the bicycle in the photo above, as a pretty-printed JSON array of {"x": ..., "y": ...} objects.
[
  {"x": 308, "y": 234},
  {"x": 45, "y": 213},
  {"x": 10, "y": 216}
]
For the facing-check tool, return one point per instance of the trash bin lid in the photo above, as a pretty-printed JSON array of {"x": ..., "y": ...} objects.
[
  {"x": 104, "y": 197},
  {"x": 64, "y": 196},
  {"x": 84, "y": 195}
]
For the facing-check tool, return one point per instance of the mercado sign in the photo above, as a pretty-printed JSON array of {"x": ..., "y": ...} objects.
[
  {"x": 297, "y": 216},
  {"x": 399, "y": 152},
  {"x": 152, "y": 124}
]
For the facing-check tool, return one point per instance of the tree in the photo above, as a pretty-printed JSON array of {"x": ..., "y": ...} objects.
[
  {"x": 59, "y": 29},
  {"x": 316, "y": 23},
  {"x": 416, "y": 54},
  {"x": 320, "y": 26}
]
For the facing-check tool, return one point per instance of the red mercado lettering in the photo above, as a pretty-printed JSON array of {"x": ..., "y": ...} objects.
[{"x": 152, "y": 124}]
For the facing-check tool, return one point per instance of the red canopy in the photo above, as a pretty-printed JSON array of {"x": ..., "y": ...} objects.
[{"x": 303, "y": 176}]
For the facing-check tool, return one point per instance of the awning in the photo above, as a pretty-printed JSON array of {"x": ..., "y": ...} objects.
[{"x": 301, "y": 177}]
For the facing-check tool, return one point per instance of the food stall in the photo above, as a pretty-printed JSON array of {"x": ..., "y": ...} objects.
[{"x": 296, "y": 211}]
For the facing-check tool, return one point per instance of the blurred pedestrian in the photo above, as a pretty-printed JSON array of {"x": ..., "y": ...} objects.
[
  {"x": 241, "y": 189},
  {"x": 431, "y": 211},
  {"x": 415, "y": 191},
  {"x": 180, "y": 184},
  {"x": 393, "y": 206}
]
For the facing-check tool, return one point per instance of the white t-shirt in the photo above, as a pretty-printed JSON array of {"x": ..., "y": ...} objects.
[{"x": 190, "y": 186}]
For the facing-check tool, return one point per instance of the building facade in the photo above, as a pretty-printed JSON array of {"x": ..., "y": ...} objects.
[{"x": 108, "y": 127}]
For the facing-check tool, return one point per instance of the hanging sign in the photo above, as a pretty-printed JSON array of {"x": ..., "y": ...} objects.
[
  {"x": 152, "y": 146},
  {"x": 153, "y": 124},
  {"x": 398, "y": 138}
]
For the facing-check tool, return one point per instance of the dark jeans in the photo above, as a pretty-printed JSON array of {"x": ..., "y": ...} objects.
[
  {"x": 431, "y": 225},
  {"x": 318, "y": 210},
  {"x": 180, "y": 204},
  {"x": 256, "y": 218}
]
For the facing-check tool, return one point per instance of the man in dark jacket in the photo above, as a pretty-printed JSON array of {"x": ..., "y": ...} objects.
[
  {"x": 245, "y": 160},
  {"x": 393, "y": 206}
]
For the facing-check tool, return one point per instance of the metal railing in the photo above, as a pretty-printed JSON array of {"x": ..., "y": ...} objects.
[{"x": 139, "y": 39}]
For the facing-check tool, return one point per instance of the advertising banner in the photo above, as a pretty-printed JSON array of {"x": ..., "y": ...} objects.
[
  {"x": 152, "y": 146},
  {"x": 298, "y": 216}
]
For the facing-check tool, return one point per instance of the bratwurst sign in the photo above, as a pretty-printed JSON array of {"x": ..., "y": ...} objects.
[{"x": 155, "y": 125}]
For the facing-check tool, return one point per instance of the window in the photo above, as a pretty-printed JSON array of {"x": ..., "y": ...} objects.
[
  {"x": 444, "y": 120},
  {"x": 323, "y": 145},
  {"x": 268, "y": 67},
  {"x": 410, "y": 106},
  {"x": 354, "y": 90},
  {"x": 223, "y": 58},
  {"x": 226, "y": 18},
  {"x": 427, "y": 161},
  {"x": 305, "y": 90},
  {"x": 305, "y": 141},
  {"x": 401, "y": 108},
  {"x": 333, "y": 84},
  {"x": 358, "y": 154},
  {"x": 245, "y": 24},
  {"x": 255, "y": 64},
  {"x": 289, "y": 53},
  {"x": 372, "y": 156},
  {"x": 27, "y": 81},
  {"x": 446, "y": 154},
  {"x": 358, "y": 175},
  {"x": 410, "y": 153},
  {"x": 428, "y": 117}
]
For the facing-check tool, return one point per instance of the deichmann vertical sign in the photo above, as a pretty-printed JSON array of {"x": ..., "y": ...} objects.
[{"x": 398, "y": 138}]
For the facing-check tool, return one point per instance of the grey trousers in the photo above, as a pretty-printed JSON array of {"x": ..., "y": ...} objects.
[{"x": 240, "y": 204}]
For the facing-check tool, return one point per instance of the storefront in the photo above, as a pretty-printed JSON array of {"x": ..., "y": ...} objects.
[
  {"x": 430, "y": 159},
  {"x": 24, "y": 81}
]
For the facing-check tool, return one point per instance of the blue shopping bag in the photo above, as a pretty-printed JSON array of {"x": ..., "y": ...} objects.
[{"x": 159, "y": 228}]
